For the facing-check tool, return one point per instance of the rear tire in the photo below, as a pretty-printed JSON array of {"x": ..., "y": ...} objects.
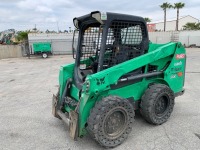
[
  {"x": 157, "y": 104},
  {"x": 110, "y": 121},
  {"x": 44, "y": 55}
]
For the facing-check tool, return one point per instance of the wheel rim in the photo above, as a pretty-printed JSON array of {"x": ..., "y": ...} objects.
[
  {"x": 44, "y": 55},
  {"x": 115, "y": 123},
  {"x": 161, "y": 105}
]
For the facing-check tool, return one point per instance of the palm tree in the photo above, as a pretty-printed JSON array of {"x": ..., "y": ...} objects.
[
  {"x": 191, "y": 26},
  {"x": 165, "y": 6},
  {"x": 147, "y": 19},
  {"x": 22, "y": 36},
  {"x": 178, "y": 6}
]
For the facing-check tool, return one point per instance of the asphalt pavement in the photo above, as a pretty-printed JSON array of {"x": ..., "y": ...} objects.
[{"x": 26, "y": 122}]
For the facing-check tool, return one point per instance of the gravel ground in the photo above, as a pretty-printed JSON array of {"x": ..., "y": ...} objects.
[{"x": 26, "y": 88}]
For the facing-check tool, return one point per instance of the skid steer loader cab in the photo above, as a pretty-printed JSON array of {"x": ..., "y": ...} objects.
[
  {"x": 106, "y": 40},
  {"x": 117, "y": 71}
]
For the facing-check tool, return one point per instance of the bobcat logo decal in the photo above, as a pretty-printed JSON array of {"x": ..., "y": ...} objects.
[{"x": 100, "y": 81}]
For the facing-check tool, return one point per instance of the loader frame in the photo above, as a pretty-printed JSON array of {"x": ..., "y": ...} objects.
[{"x": 158, "y": 64}]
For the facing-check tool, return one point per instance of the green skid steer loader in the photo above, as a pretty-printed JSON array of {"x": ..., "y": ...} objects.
[{"x": 117, "y": 71}]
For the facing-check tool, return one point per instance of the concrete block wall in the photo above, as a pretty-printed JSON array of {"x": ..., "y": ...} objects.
[{"x": 10, "y": 51}]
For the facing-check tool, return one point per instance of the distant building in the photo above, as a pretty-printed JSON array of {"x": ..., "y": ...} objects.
[
  {"x": 151, "y": 27},
  {"x": 171, "y": 24}
]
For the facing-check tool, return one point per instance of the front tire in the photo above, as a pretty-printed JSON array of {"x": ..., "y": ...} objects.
[
  {"x": 157, "y": 104},
  {"x": 110, "y": 121}
]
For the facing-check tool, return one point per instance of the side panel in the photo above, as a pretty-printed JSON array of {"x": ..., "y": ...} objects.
[
  {"x": 136, "y": 90},
  {"x": 111, "y": 76},
  {"x": 175, "y": 73},
  {"x": 133, "y": 90},
  {"x": 42, "y": 47},
  {"x": 66, "y": 71}
]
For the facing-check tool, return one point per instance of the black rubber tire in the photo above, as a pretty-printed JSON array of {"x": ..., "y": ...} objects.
[
  {"x": 149, "y": 100},
  {"x": 101, "y": 113}
]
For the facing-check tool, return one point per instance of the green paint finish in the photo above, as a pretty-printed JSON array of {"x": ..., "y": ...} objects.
[
  {"x": 85, "y": 106},
  {"x": 74, "y": 91},
  {"x": 100, "y": 82},
  {"x": 66, "y": 72},
  {"x": 133, "y": 90},
  {"x": 112, "y": 75},
  {"x": 42, "y": 47},
  {"x": 175, "y": 73}
]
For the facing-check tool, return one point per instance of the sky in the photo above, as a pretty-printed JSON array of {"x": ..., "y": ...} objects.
[{"x": 58, "y": 14}]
